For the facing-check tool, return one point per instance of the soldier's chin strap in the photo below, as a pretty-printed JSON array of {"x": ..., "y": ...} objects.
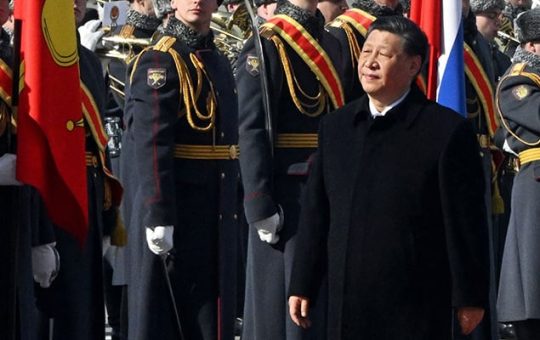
[{"x": 264, "y": 76}]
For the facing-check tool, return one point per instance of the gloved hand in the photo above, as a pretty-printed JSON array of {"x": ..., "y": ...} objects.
[
  {"x": 91, "y": 33},
  {"x": 45, "y": 264},
  {"x": 507, "y": 148},
  {"x": 269, "y": 227},
  {"x": 160, "y": 239},
  {"x": 7, "y": 169}
]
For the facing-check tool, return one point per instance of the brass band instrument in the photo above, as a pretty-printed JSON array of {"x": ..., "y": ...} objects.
[{"x": 231, "y": 30}]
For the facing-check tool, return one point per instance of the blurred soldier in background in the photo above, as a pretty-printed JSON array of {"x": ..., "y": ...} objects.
[{"x": 518, "y": 99}]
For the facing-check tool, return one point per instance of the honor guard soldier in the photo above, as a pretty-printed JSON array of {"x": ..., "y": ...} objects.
[
  {"x": 281, "y": 101},
  {"x": 350, "y": 29},
  {"x": 75, "y": 300},
  {"x": 518, "y": 101},
  {"x": 179, "y": 164}
]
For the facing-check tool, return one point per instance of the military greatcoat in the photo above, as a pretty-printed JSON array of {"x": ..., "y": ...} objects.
[
  {"x": 518, "y": 98},
  {"x": 179, "y": 165},
  {"x": 275, "y": 181}
]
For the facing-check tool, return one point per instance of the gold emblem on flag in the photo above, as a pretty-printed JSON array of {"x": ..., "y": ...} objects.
[
  {"x": 59, "y": 31},
  {"x": 520, "y": 92},
  {"x": 156, "y": 77}
]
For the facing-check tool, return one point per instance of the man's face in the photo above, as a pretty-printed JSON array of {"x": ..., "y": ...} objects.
[
  {"x": 4, "y": 11},
  {"x": 330, "y": 9},
  {"x": 385, "y": 70},
  {"x": 195, "y": 13},
  {"x": 80, "y": 10},
  {"x": 488, "y": 23},
  {"x": 147, "y": 7}
]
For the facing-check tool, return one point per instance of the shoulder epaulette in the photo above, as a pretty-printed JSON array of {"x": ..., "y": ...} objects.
[
  {"x": 336, "y": 23},
  {"x": 127, "y": 31},
  {"x": 517, "y": 69},
  {"x": 164, "y": 44}
]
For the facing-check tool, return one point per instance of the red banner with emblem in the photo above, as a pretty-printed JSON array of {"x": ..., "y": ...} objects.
[{"x": 51, "y": 134}]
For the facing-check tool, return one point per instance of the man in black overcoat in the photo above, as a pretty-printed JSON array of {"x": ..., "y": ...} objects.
[{"x": 394, "y": 206}]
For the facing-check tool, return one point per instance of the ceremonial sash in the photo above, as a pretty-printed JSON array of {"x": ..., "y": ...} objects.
[
  {"x": 311, "y": 53},
  {"x": 6, "y": 82},
  {"x": 482, "y": 85},
  {"x": 93, "y": 119},
  {"x": 359, "y": 19}
]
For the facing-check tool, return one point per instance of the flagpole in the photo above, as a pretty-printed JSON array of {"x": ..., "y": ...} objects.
[{"x": 13, "y": 213}]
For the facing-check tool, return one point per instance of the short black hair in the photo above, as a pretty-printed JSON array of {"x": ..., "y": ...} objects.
[{"x": 414, "y": 39}]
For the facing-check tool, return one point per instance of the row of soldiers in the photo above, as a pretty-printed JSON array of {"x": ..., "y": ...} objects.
[{"x": 207, "y": 160}]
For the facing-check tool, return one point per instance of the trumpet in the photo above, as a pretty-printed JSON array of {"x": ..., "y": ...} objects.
[{"x": 507, "y": 36}]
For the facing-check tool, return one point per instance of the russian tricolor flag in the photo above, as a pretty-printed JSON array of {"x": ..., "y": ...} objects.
[{"x": 442, "y": 23}]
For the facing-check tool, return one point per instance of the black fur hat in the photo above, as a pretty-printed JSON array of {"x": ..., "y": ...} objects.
[
  {"x": 486, "y": 5},
  {"x": 528, "y": 26}
]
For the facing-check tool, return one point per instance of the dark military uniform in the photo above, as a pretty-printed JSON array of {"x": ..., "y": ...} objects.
[
  {"x": 351, "y": 39},
  {"x": 142, "y": 28},
  {"x": 518, "y": 98},
  {"x": 179, "y": 166},
  {"x": 7, "y": 216},
  {"x": 75, "y": 299},
  {"x": 137, "y": 26},
  {"x": 269, "y": 182}
]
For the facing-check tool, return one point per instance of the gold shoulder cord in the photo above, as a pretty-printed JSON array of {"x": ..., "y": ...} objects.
[
  {"x": 187, "y": 92},
  {"x": 318, "y": 101},
  {"x": 354, "y": 47},
  {"x": 516, "y": 70}
]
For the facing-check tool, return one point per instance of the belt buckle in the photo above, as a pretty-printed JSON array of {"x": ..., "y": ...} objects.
[{"x": 233, "y": 152}]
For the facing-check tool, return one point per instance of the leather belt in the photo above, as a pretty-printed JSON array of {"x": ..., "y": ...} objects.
[
  {"x": 91, "y": 159},
  {"x": 529, "y": 155},
  {"x": 297, "y": 140},
  {"x": 225, "y": 152}
]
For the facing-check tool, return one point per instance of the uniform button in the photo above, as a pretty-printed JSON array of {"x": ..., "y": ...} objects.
[
  {"x": 222, "y": 135},
  {"x": 220, "y": 217},
  {"x": 235, "y": 91},
  {"x": 235, "y": 216},
  {"x": 222, "y": 175},
  {"x": 217, "y": 93}
]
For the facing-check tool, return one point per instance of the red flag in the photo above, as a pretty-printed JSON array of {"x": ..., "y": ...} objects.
[
  {"x": 427, "y": 15},
  {"x": 51, "y": 134}
]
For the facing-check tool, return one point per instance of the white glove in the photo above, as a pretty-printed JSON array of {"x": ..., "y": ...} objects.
[
  {"x": 7, "y": 169},
  {"x": 160, "y": 239},
  {"x": 269, "y": 227},
  {"x": 507, "y": 148},
  {"x": 91, "y": 33},
  {"x": 45, "y": 264}
]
